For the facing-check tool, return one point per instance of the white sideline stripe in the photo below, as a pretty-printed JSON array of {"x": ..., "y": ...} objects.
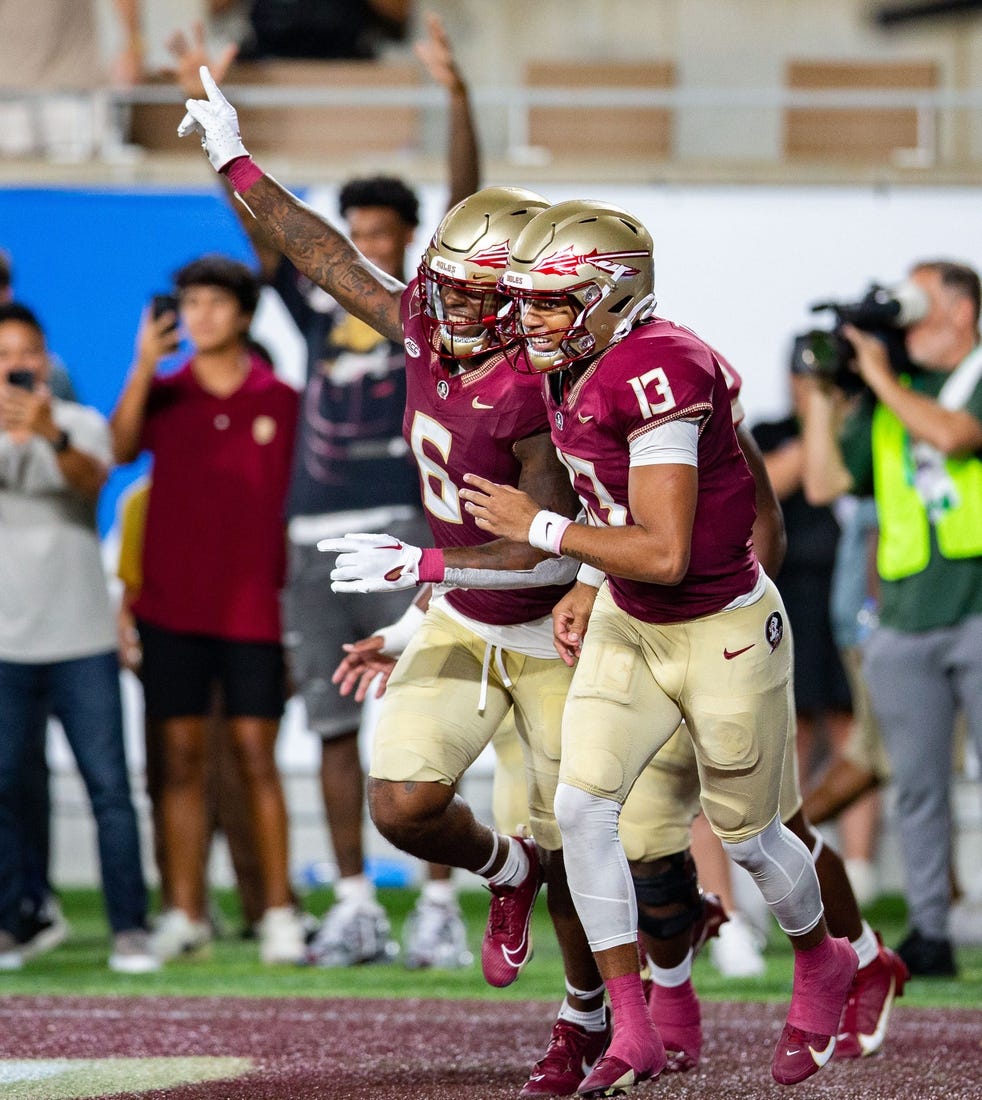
[{"x": 12, "y": 1072}]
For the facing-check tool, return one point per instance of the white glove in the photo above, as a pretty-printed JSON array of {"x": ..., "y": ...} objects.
[
  {"x": 215, "y": 119},
  {"x": 372, "y": 563}
]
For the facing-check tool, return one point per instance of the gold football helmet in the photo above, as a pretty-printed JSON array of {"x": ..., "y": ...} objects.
[
  {"x": 588, "y": 255},
  {"x": 459, "y": 272}
]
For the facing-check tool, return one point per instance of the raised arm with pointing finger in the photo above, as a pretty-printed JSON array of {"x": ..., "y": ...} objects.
[{"x": 314, "y": 246}]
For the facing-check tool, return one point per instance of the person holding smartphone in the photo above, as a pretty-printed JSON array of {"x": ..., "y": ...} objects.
[
  {"x": 57, "y": 634},
  {"x": 221, "y": 430}
]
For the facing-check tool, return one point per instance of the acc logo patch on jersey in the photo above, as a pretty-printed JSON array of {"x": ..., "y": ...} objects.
[
  {"x": 412, "y": 348},
  {"x": 774, "y": 629},
  {"x": 263, "y": 430}
]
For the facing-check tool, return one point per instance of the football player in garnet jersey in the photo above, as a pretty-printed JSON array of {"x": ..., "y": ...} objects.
[
  {"x": 479, "y": 652},
  {"x": 687, "y": 627}
]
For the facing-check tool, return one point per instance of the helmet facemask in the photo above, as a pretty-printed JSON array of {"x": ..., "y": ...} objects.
[
  {"x": 458, "y": 276},
  {"x": 459, "y": 315}
]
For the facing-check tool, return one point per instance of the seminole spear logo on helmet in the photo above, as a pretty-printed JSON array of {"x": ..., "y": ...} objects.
[{"x": 568, "y": 262}]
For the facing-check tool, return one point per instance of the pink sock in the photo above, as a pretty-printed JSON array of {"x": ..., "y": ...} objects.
[
  {"x": 678, "y": 1004},
  {"x": 635, "y": 1039},
  {"x": 822, "y": 976}
]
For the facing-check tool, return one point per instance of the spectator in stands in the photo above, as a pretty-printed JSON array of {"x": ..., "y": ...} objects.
[
  {"x": 57, "y": 641},
  {"x": 352, "y": 472},
  {"x": 53, "y": 50},
  {"x": 221, "y": 431},
  {"x": 325, "y": 30},
  {"x": 916, "y": 442}
]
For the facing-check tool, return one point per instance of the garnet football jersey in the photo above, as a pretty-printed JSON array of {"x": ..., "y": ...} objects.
[
  {"x": 468, "y": 423},
  {"x": 659, "y": 373}
]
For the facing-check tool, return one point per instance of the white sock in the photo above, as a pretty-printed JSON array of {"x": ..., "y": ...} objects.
[
  {"x": 515, "y": 867},
  {"x": 441, "y": 891},
  {"x": 673, "y": 976},
  {"x": 595, "y": 1020},
  {"x": 354, "y": 888},
  {"x": 866, "y": 946}
]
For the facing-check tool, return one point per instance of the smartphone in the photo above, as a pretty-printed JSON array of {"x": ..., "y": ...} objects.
[
  {"x": 23, "y": 379},
  {"x": 165, "y": 303}
]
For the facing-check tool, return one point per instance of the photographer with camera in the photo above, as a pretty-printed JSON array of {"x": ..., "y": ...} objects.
[{"x": 915, "y": 442}]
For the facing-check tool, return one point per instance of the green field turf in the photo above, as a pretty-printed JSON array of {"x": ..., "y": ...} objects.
[{"x": 78, "y": 967}]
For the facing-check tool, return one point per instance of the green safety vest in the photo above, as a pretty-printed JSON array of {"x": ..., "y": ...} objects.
[{"x": 905, "y": 541}]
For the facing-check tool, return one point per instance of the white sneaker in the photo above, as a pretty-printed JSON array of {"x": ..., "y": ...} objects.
[
  {"x": 435, "y": 936},
  {"x": 864, "y": 881},
  {"x": 281, "y": 936},
  {"x": 352, "y": 932},
  {"x": 175, "y": 934},
  {"x": 736, "y": 951},
  {"x": 132, "y": 953},
  {"x": 965, "y": 922},
  {"x": 11, "y": 957}
]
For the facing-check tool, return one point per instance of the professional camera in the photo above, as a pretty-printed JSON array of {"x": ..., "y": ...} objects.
[{"x": 884, "y": 312}]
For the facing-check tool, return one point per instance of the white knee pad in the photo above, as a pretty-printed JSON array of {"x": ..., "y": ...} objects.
[
  {"x": 783, "y": 869},
  {"x": 599, "y": 878}
]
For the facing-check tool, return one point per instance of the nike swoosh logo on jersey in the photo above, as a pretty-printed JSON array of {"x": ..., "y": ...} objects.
[
  {"x": 477, "y": 403},
  {"x": 584, "y": 419},
  {"x": 728, "y": 656}
]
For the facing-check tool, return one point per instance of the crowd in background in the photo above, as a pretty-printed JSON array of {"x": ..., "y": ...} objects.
[{"x": 227, "y": 607}]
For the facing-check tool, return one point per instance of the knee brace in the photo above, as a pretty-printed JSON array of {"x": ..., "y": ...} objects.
[
  {"x": 677, "y": 886},
  {"x": 782, "y": 867}
]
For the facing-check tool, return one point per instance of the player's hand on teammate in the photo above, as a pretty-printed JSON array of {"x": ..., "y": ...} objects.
[
  {"x": 372, "y": 563},
  {"x": 500, "y": 509},
  {"x": 569, "y": 621},
  {"x": 363, "y": 663},
  {"x": 215, "y": 119}
]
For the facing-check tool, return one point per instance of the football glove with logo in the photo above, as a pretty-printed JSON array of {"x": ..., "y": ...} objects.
[
  {"x": 215, "y": 119},
  {"x": 380, "y": 563}
]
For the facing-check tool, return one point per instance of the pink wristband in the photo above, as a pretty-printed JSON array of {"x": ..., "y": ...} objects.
[
  {"x": 432, "y": 566},
  {"x": 242, "y": 173}
]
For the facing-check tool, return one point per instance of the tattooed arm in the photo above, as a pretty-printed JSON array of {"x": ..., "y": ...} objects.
[
  {"x": 315, "y": 247},
  {"x": 327, "y": 257}
]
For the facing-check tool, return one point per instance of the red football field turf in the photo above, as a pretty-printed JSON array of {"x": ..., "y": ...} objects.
[{"x": 445, "y": 1050}]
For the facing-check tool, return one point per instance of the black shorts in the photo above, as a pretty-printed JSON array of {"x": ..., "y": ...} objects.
[{"x": 180, "y": 672}]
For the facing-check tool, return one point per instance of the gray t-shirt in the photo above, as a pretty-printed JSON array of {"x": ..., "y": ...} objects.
[{"x": 54, "y": 602}]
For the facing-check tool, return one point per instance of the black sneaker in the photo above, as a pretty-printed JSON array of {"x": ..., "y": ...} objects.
[
  {"x": 927, "y": 958},
  {"x": 43, "y": 929}
]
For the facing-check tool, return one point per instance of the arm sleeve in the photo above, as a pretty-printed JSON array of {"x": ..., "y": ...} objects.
[{"x": 548, "y": 571}]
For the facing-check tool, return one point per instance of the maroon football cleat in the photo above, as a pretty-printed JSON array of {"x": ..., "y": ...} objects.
[
  {"x": 616, "y": 1073},
  {"x": 818, "y": 995},
  {"x": 708, "y": 925},
  {"x": 571, "y": 1055},
  {"x": 867, "y": 1013},
  {"x": 799, "y": 1054},
  {"x": 507, "y": 945}
]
